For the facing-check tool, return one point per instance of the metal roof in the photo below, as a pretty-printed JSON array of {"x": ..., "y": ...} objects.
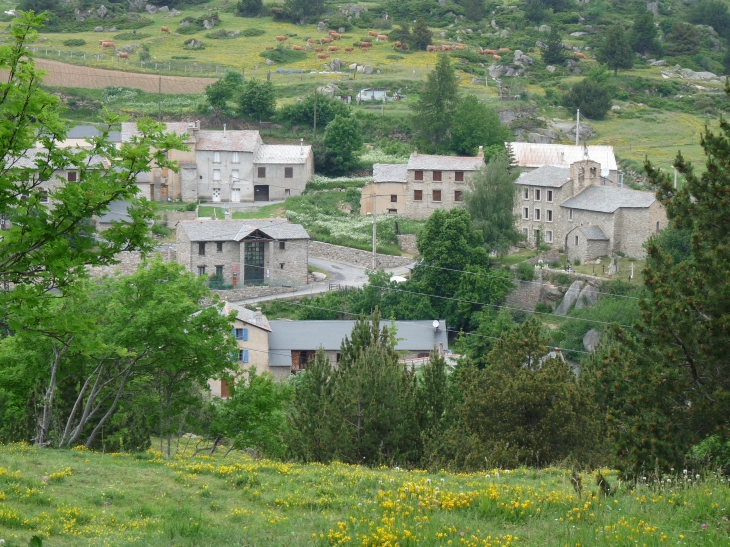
[
  {"x": 282, "y": 153},
  {"x": 412, "y": 336},
  {"x": 237, "y": 230},
  {"x": 445, "y": 163},
  {"x": 390, "y": 172},
  {"x": 248, "y": 316},
  {"x": 28, "y": 160},
  {"x": 228, "y": 141},
  {"x": 527, "y": 154},
  {"x": 547, "y": 175},
  {"x": 593, "y": 233},
  {"x": 89, "y": 131},
  {"x": 606, "y": 199}
]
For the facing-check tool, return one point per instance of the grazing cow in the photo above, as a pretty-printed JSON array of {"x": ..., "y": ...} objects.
[
  {"x": 335, "y": 35},
  {"x": 579, "y": 55},
  {"x": 504, "y": 49},
  {"x": 325, "y": 40},
  {"x": 349, "y": 49},
  {"x": 365, "y": 44},
  {"x": 312, "y": 41},
  {"x": 124, "y": 55},
  {"x": 269, "y": 47},
  {"x": 446, "y": 48},
  {"x": 489, "y": 52},
  {"x": 322, "y": 56},
  {"x": 333, "y": 48},
  {"x": 460, "y": 46},
  {"x": 396, "y": 44},
  {"x": 382, "y": 37},
  {"x": 297, "y": 48},
  {"x": 432, "y": 48},
  {"x": 165, "y": 30},
  {"x": 372, "y": 33},
  {"x": 497, "y": 57},
  {"x": 404, "y": 47},
  {"x": 282, "y": 38},
  {"x": 107, "y": 43}
]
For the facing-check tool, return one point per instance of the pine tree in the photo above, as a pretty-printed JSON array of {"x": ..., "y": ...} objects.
[
  {"x": 615, "y": 52},
  {"x": 434, "y": 111},
  {"x": 683, "y": 39},
  {"x": 643, "y": 36},
  {"x": 554, "y": 52},
  {"x": 536, "y": 11},
  {"x": 592, "y": 98},
  {"x": 421, "y": 37}
]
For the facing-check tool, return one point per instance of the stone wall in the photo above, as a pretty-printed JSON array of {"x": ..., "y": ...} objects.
[
  {"x": 171, "y": 218},
  {"x": 407, "y": 243},
  {"x": 130, "y": 260},
  {"x": 355, "y": 257},
  {"x": 236, "y": 295},
  {"x": 527, "y": 295}
]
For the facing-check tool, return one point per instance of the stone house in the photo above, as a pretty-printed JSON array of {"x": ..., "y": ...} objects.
[
  {"x": 530, "y": 156},
  {"x": 229, "y": 166},
  {"x": 584, "y": 213},
  {"x": 424, "y": 184},
  {"x": 245, "y": 252}
]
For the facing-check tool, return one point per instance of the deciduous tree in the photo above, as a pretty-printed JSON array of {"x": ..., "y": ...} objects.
[
  {"x": 343, "y": 140},
  {"x": 593, "y": 99},
  {"x": 257, "y": 99},
  {"x": 474, "y": 125}
]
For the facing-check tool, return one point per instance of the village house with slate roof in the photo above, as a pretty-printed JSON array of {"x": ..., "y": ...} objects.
[
  {"x": 584, "y": 213},
  {"x": 530, "y": 156},
  {"x": 245, "y": 252},
  {"x": 228, "y": 166},
  {"x": 417, "y": 189}
]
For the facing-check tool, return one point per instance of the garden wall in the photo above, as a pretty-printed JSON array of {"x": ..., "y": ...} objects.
[
  {"x": 407, "y": 243},
  {"x": 173, "y": 217},
  {"x": 129, "y": 260},
  {"x": 355, "y": 257}
]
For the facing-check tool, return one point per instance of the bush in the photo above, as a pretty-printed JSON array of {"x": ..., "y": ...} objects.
[
  {"x": 302, "y": 112},
  {"x": 249, "y": 8},
  {"x": 257, "y": 99},
  {"x": 251, "y": 32},
  {"x": 593, "y": 99},
  {"x": 283, "y": 56},
  {"x": 543, "y": 308},
  {"x": 161, "y": 230},
  {"x": 74, "y": 42},
  {"x": 525, "y": 271},
  {"x": 576, "y": 262}
]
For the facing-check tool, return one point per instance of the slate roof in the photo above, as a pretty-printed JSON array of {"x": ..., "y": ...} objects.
[
  {"x": 607, "y": 199},
  {"x": 389, "y": 172},
  {"x": 593, "y": 233},
  {"x": 88, "y": 131},
  {"x": 28, "y": 160},
  {"x": 118, "y": 213},
  {"x": 527, "y": 154},
  {"x": 129, "y": 129},
  {"x": 282, "y": 153},
  {"x": 237, "y": 230},
  {"x": 445, "y": 163},
  {"x": 228, "y": 141},
  {"x": 248, "y": 316},
  {"x": 310, "y": 335},
  {"x": 548, "y": 176}
]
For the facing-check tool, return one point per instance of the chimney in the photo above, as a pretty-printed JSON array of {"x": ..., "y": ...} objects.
[
  {"x": 258, "y": 316},
  {"x": 224, "y": 130},
  {"x": 191, "y": 129},
  {"x": 301, "y": 147},
  {"x": 415, "y": 151},
  {"x": 480, "y": 154}
]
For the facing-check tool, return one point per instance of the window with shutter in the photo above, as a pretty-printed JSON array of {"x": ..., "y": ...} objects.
[
  {"x": 437, "y": 195},
  {"x": 245, "y": 335},
  {"x": 418, "y": 175},
  {"x": 417, "y": 195},
  {"x": 262, "y": 172},
  {"x": 245, "y": 356},
  {"x": 459, "y": 176},
  {"x": 437, "y": 176},
  {"x": 288, "y": 172}
]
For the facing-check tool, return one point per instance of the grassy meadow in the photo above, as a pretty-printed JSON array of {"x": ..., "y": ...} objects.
[{"x": 80, "y": 498}]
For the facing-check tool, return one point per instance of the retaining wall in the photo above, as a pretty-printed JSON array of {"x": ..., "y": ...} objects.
[
  {"x": 407, "y": 243},
  {"x": 355, "y": 257},
  {"x": 130, "y": 260}
]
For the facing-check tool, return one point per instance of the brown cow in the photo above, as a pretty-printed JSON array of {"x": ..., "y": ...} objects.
[
  {"x": 382, "y": 37},
  {"x": 336, "y": 35},
  {"x": 432, "y": 48},
  {"x": 372, "y": 33},
  {"x": 107, "y": 43},
  {"x": 333, "y": 48},
  {"x": 460, "y": 46},
  {"x": 489, "y": 52},
  {"x": 446, "y": 48},
  {"x": 365, "y": 44},
  {"x": 504, "y": 49},
  {"x": 282, "y": 38},
  {"x": 349, "y": 49},
  {"x": 318, "y": 50},
  {"x": 579, "y": 55},
  {"x": 497, "y": 57},
  {"x": 312, "y": 41},
  {"x": 322, "y": 56},
  {"x": 325, "y": 40},
  {"x": 124, "y": 55},
  {"x": 297, "y": 48},
  {"x": 165, "y": 30}
]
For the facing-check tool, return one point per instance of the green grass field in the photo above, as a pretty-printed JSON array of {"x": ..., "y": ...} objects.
[{"x": 80, "y": 498}]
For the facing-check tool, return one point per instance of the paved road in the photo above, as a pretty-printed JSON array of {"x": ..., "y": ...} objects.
[{"x": 343, "y": 274}]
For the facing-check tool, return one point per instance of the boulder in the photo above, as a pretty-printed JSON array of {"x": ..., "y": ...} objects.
[
  {"x": 538, "y": 138},
  {"x": 552, "y": 292},
  {"x": 522, "y": 58},
  {"x": 570, "y": 297},
  {"x": 184, "y": 23},
  {"x": 653, "y": 7},
  {"x": 80, "y": 18},
  {"x": 236, "y": 33},
  {"x": 507, "y": 116},
  {"x": 98, "y": 29},
  {"x": 545, "y": 28},
  {"x": 101, "y": 11},
  {"x": 615, "y": 107},
  {"x": 497, "y": 71},
  {"x": 164, "y": 9},
  {"x": 690, "y": 74},
  {"x": 539, "y": 45},
  {"x": 151, "y": 9},
  {"x": 504, "y": 34},
  {"x": 335, "y": 65},
  {"x": 319, "y": 276},
  {"x": 341, "y": 30},
  {"x": 550, "y": 68},
  {"x": 367, "y": 69},
  {"x": 587, "y": 297},
  {"x": 195, "y": 44},
  {"x": 494, "y": 25},
  {"x": 591, "y": 339},
  {"x": 579, "y": 33},
  {"x": 208, "y": 24},
  {"x": 136, "y": 5},
  {"x": 321, "y": 27}
]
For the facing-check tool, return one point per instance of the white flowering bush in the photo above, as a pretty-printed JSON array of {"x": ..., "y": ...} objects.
[{"x": 378, "y": 156}]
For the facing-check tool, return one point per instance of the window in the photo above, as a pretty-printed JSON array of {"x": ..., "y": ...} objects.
[
  {"x": 657, "y": 224},
  {"x": 593, "y": 172},
  {"x": 219, "y": 246},
  {"x": 225, "y": 389},
  {"x": 235, "y": 174},
  {"x": 71, "y": 176},
  {"x": 216, "y": 157},
  {"x": 392, "y": 211},
  {"x": 526, "y": 193},
  {"x": 570, "y": 214},
  {"x": 576, "y": 241},
  {"x": 457, "y": 195},
  {"x": 201, "y": 248},
  {"x": 234, "y": 158},
  {"x": 537, "y": 194},
  {"x": 459, "y": 176},
  {"x": 437, "y": 176},
  {"x": 216, "y": 174},
  {"x": 537, "y": 214},
  {"x": 437, "y": 195},
  {"x": 338, "y": 358},
  {"x": 417, "y": 195},
  {"x": 550, "y": 196},
  {"x": 287, "y": 192},
  {"x": 418, "y": 175},
  {"x": 548, "y": 236},
  {"x": 201, "y": 270},
  {"x": 526, "y": 213},
  {"x": 262, "y": 172},
  {"x": 243, "y": 355},
  {"x": 44, "y": 199},
  {"x": 281, "y": 265},
  {"x": 282, "y": 245},
  {"x": 393, "y": 198},
  {"x": 241, "y": 334},
  {"x": 288, "y": 172},
  {"x": 549, "y": 213},
  {"x": 219, "y": 271}
]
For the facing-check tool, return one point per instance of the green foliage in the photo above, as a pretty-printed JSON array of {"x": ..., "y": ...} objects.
[
  {"x": 536, "y": 11},
  {"x": 675, "y": 244},
  {"x": 302, "y": 112},
  {"x": 161, "y": 229},
  {"x": 252, "y": 32},
  {"x": 683, "y": 39},
  {"x": 525, "y": 271},
  {"x": 257, "y": 99},
  {"x": 593, "y": 99},
  {"x": 713, "y": 13},
  {"x": 421, "y": 36},
  {"x": 249, "y": 8},
  {"x": 554, "y": 53},
  {"x": 74, "y": 42},
  {"x": 475, "y": 124},
  {"x": 343, "y": 141},
  {"x": 433, "y": 112},
  {"x": 615, "y": 51},
  {"x": 711, "y": 452},
  {"x": 224, "y": 90},
  {"x": 643, "y": 36},
  {"x": 303, "y": 10},
  {"x": 490, "y": 200},
  {"x": 401, "y": 34},
  {"x": 283, "y": 55},
  {"x": 473, "y": 9}
]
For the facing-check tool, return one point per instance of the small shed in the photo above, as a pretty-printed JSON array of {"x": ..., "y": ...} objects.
[{"x": 372, "y": 95}]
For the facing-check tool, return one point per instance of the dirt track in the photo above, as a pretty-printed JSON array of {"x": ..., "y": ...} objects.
[{"x": 67, "y": 75}]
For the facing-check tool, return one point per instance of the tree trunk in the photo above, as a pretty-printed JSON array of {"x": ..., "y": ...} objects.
[{"x": 45, "y": 422}]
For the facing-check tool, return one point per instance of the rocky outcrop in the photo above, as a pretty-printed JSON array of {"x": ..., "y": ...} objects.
[
  {"x": 587, "y": 297},
  {"x": 570, "y": 297},
  {"x": 591, "y": 340}
]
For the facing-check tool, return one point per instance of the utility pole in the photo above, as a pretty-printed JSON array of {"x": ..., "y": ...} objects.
[
  {"x": 315, "y": 113},
  {"x": 577, "y": 127},
  {"x": 375, "y": 231},
  {"x": 159, "y": 99},
  {"x": 675, "y": 178}
]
